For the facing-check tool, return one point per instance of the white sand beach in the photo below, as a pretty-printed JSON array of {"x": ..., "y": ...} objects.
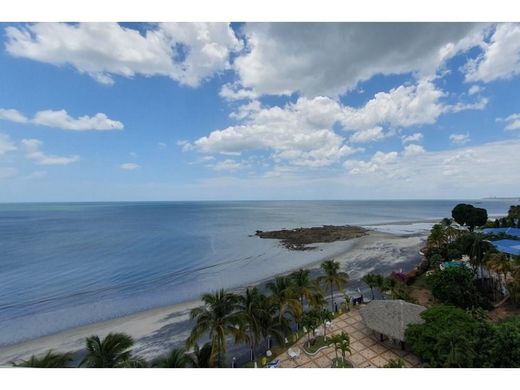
[{"x": 158, "y": 330}]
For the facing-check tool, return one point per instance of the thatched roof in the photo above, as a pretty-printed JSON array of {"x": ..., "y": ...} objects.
[{"x": 391, "y": 317}]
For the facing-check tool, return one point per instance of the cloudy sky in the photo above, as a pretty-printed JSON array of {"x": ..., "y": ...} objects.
[{"x": 258, "y": 111}]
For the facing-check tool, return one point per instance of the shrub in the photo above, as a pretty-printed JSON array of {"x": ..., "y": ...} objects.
[{"x": 456, "y": 286}]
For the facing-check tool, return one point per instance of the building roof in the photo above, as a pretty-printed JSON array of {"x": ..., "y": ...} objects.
[
  {"x": 506, "y": 230},
  {"x": 391, "y": 317},
  {"x": 511, "y": 247}
]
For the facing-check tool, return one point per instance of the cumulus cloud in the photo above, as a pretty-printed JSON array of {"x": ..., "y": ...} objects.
[
  {"x": 368, "y": 135},
  {"x": 458, "y": 171},
  {"x": 413, "y": 150},
  {"x": 512, "y": 122},
  {"x": 129, "y": 166},
  {"x": 6, "y": 145},
  {"x": 299, "y": 133},
  {"x": 474, "y": 89},
  {"x": 415, "y": 137},
  {"x": 459, "y": 139},
  {"x": 461, "y": 106},
  {"x": 332, "y": 58},
  {"x": 60, "y": 119},
  {"x": 500, "y": 58},
  {"x": 186, "y": 52},
  {"x": 32, "y": 148},
  {"x": 8, "y": 114}
]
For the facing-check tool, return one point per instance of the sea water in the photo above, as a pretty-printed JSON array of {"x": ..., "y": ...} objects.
[{"x": 68, "y": 264}]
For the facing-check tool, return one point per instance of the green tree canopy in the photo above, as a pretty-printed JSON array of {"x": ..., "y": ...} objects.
[{"x": 456, "y": 286}]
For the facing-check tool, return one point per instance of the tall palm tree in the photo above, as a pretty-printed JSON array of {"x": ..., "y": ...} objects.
[
  {"x": 252, "y": 310},
  {"x": 49, "y": 360},
  {"x": 380, "y": 284},
  {"x": 113, "y": 351},
  {"x": 201, "y": 356},
  {"x": 177, "y": 358},
  {"x": 371, "y": 281},
  {"x": 284, "y": 299},
  {"x": 303, "y": 286},
  {"x": 218, "y": 318},
  {"x": 333, "y": 278}
]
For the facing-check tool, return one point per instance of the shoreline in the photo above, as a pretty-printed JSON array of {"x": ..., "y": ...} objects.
[{"x": 157, "y": 330}]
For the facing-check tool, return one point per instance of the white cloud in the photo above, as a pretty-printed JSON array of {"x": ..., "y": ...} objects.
[
  {"x": 474, "y": 89},
  {"x": 11, "y": 115},
  {"x": 36, "y": 175},
  {"x": 512, "y": 122},
  {"x": 32, "y": 148},
  {"x": 8, "y": 172},
  {"x": 162, "y": 145},
  {"x": 415, "y": 137},
  {"x": 6, "y": 145},
  {"x": 400, "y": 107},
  {"x": 129, "y": 166},
  {"x": 413, "y": 150},
  {"x": 234, "y": 92},
  {"x": 484, "y": 170},
  {"x": 225, "y": 165},
  {"x": 332, "y": 58},
  {"x": 60, "y": 119},
  {"x": 500, "y": 58},
  {"x": 460, "y": 106},
  {"x": 186, "y": 52},
  {"x": 368, "y": 135},
  {"x": 459, "y": 139},
  {"x": 299, "y": 133}
]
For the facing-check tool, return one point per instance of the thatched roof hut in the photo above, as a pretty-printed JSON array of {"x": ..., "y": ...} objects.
[{"x": 391, "y": 317}]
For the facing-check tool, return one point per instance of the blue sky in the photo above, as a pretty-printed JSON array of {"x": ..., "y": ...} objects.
[{"x": 202, "y": 111}]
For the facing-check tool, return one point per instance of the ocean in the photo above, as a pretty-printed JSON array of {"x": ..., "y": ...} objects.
[{"x": 64, "y": 265}]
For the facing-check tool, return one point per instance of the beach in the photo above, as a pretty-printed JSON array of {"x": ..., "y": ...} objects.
[{"x": 158, "y": 330}]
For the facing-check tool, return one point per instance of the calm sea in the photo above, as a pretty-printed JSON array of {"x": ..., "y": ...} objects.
[{"x": 69, "y": 264}]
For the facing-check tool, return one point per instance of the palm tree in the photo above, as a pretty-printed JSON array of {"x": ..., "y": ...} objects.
[
  {"x": 344, "y": 345},
  {"x": 201, "y": 356},
  {"x": 218, "y": 318},
  {"x": 371, "y": 281},
  {"x": 283, "y": 297},
  {"x": 49, "y": 360},
  {"x": 303, "y": 286},
  {"x": 333, "y": 278},
  {"x": 325, "y": 316},
  {"x": 380, "y": 284},
  {"x": 252, "y": 310},
  {"x": 177, "y": 358},
  {"x": 113, "y": 351}
]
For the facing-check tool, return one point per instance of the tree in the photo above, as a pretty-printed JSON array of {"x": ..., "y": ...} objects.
[
  {"x": 252, "y": 311},
  {"x": 283, "y": 297},
  {"x": 218, "y": 318},
  {"x": 325, "y": 316},
  {"x": 466, "y": 214},
  {"x": 177, "y": 358},
  {"x": 333, "y": 278},
  {"x": 111, "y": 352},
  {"x": 49, "y": 360},
  {"x": 455, "y": 286},
  {"x": 311, "y": 321},
  {"x": 371, "y": 281},
  {"x": 201, "y": 356},
  {"x": 450, "y": 337},
  {"x": 303, "y": 286},
  {"x": 506, "y": 347}
]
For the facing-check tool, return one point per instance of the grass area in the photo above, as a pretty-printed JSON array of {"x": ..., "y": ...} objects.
[{"x": 315, "y": 344}]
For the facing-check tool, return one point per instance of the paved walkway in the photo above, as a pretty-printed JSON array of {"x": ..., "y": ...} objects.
[{"x": 367, "y": 350}]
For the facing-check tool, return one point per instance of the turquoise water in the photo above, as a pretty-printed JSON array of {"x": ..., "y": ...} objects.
[{"x": 69, "y": 264}]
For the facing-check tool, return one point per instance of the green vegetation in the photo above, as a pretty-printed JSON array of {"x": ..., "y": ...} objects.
[
  {"x": 456, "y": 287},
  {"x": 49, "y": 360},
  {"x": 452, "y": 337},
  {"x": 470, "y": 216},
  {"x": 394, "y": 363},
  {"x": 111, "y": 352},
  {"x": 333, "y": 278},
  {"x": 315, "y": 344}
]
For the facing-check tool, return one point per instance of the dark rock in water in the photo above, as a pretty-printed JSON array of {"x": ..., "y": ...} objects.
[{"x": 298, "y": 239}]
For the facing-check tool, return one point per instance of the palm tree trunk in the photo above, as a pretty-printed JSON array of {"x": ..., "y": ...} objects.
[
  {"x": 372, "y": 291},
  {"x": 331, "y": 298}
]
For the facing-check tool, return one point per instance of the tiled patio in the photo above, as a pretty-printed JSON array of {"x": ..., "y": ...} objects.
[{"x": 367, "y": 350}]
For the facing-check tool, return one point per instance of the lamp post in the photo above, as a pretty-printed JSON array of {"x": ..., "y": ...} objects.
[{"x": 234, "y": 362}]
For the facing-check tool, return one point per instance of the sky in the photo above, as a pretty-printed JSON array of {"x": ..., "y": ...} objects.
[{"x": 231, "y": 111}]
